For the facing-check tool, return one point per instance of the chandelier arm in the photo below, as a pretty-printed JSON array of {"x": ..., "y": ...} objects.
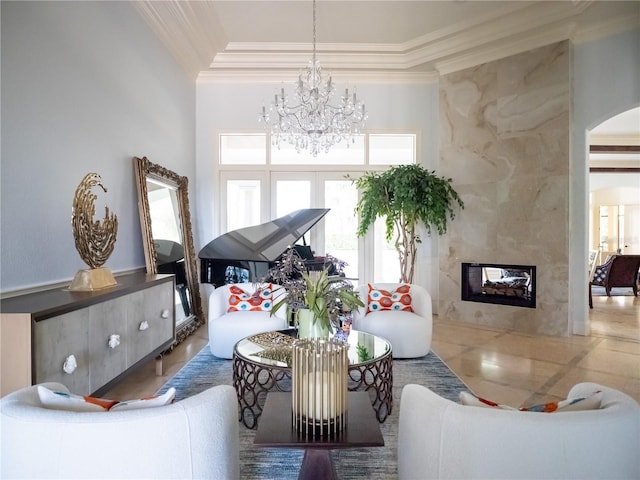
[{"x": 313, "y": 123}]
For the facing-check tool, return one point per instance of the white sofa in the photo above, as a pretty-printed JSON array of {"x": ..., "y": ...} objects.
[
  {"x": 441, "y": 439},
  {"x": 194, "y": 438},
  {"x": 408, "y": 332},
  {"x": 228, "y": 328}
]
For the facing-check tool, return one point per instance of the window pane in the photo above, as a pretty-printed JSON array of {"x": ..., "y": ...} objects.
[
  {"x": 292, "y": 195},
  {"x": 392, "y": 149},
  {"x": 340, "y": 154},
  {"x": 243, "y": 203},
  {"x": 163, "y": 208},
  {"x": 243, "y": 149},
  {"x": 386, "y": 263},
  {"x": 341, "y": 223}
]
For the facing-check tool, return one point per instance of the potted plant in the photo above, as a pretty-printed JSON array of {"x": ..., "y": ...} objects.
[
  {"x": 404, "y": 196},
  {"x": 316, "y": 299},
  {"x": 326, "y": 298}
]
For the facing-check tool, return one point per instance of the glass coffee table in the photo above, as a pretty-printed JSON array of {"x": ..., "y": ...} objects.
[{"x": 261, "y": 364}]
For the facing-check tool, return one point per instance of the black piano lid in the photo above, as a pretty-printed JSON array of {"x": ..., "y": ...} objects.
[
  {"x": 168, "y": 251},
  {"x": 264, "y": 242}
]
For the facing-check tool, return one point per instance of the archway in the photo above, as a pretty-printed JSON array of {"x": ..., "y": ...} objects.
[{"x": 614, "y": 216}]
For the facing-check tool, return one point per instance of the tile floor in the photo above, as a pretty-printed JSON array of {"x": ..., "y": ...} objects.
[{"x": 508, "y": 367}]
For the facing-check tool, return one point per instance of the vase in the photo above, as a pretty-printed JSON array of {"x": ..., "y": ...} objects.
[{"x": 311, "y": 327}]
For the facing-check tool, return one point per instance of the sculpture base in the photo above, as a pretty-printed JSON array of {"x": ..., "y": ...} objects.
[{"x": 93, "y": 279}]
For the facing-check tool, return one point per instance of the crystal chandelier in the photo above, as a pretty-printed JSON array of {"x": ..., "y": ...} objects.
[{"x": 310, "y": 121}]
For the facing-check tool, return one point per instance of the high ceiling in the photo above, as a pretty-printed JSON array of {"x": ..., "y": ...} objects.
[
  {"x": 379, "y": 38},
  {"x": 373, "y": 40}
]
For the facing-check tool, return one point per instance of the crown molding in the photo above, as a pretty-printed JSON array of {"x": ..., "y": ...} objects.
[
  {"x": 190, "y": 31},
  {"x": 615, "y": 164},
  {"x": 307, "y": 48},
  {"x": 514, "y": 46},
  {"x": 627, "y": 139},
  {"x": 193, "y": 33},
  {"x": 371, "y": 60},
  {"x": 440, "y": 46},
  {"x": 606, "y": 28},
  {"x": 342, "y": 76}
]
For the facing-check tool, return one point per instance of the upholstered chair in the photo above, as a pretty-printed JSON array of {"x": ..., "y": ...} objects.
[
  {"x": 617, "y": 271},
  {"x": 193, "y": 438},
  {"x": 441, "y": 439},
  {"x": 408, "y": 332},
  {"x": 226, "y": 328}
]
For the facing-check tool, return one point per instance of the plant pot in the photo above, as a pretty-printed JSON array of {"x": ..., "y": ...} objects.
[{"x": 311, "y": 327}]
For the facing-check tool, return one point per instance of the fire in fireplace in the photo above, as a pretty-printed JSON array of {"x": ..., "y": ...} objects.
[{"x": 501, "y": 284}]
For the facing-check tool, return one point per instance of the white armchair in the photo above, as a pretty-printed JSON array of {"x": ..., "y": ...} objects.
[
  {"x": 408, "y": 332},
  {"x": 193, "y": 438},
  {"x": 441, "y": 439},
  {"x": 228, "y": 328}
]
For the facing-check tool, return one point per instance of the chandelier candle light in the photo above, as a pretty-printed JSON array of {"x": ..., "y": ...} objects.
[
  {"x": 309, "y": 121},
  {"x": 319, "y": 387}
]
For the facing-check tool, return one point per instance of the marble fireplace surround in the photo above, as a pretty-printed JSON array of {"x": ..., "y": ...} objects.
[{"x": 505, "y": 142}]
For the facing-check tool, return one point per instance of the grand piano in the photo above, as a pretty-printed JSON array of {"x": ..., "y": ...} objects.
[{"x": 246, "y": 254}]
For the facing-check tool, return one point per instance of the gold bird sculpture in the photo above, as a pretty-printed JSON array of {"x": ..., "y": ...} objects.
[{"x": 94, "y": 240}]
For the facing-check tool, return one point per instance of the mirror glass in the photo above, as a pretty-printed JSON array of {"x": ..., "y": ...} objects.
[{"x": 168, "y": 240}]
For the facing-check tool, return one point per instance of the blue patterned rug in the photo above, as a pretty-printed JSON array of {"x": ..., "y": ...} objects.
[
  {"x": 205, "y": 371},
  {"x": 598, "y": 291}
]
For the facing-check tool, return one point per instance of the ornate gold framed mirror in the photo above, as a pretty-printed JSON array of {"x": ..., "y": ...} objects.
[{"x": 167, "y": 238}]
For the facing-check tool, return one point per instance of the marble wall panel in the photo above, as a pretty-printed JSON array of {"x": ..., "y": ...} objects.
[{"x": 504, "y": 139}]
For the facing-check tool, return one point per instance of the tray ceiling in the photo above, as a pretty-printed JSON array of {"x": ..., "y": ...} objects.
[{"x": 409, "y": 40}]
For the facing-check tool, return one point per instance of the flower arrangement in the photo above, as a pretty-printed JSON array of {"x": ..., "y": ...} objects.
[{"x": 324, "y": 292}]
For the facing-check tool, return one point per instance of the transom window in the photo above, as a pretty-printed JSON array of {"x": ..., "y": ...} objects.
[{"x": 259, "y": 182}]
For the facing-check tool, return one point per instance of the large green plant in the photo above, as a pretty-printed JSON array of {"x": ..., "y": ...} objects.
[{"x": 405, "y": 196}]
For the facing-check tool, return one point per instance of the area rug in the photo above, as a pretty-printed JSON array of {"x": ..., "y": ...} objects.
[
  {"x": 205, "y": 371},
  {"x": 598, "y": 291}
]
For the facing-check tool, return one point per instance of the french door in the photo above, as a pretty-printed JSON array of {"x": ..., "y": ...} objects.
[
  {"x": 253, "y": 198},
  {"x": 335, "y": 234}
]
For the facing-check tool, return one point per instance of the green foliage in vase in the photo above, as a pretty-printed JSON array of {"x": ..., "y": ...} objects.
[
  {"x": 405, "y": 196},
  {"x": 363, "y": 353},
  {"x": 327, "y": 296}
]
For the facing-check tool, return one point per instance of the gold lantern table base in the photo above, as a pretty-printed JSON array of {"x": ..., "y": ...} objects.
[
  {"x": 262, "y": 364},
  {"x": 275, "y": 430}
]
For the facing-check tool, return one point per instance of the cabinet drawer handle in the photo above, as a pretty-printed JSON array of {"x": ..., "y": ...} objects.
[
  {"x": 144, "y": 325},
  {"x": 70, "y": 365},
  {"x": 165, "y": 313},
  {"x": 114, "y": 341}
]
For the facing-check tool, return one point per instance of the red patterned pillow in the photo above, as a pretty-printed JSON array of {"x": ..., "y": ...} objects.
[
  {"x": 589, "y": 402},
  {"x": 62, "y": 400},
  {"x": 467, "y": 398},
  {"x": 398, "y": 300},
  {"x": 261, "y": 300}
]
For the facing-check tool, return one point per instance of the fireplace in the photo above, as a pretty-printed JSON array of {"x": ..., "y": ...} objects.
[{"x": 500, "y": 284}]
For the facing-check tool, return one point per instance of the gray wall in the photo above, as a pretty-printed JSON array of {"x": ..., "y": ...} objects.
[
  {"x": 606, "y": 81},
  {"x": 85, "y": 87},
  {"x": 234, "y": 108}
]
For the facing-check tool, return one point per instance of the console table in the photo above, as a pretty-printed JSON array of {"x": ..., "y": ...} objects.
[
  {"x": 276, "y": 430},
  {"x": 107, "y": 332}
]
